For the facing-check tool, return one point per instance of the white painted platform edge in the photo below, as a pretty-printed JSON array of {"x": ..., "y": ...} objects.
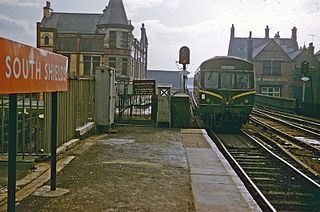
[
  {"x": 241, "y": 187},
  {"x": 67, "y": 145}
]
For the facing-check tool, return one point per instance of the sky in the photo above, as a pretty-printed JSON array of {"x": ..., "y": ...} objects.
[{"x": 202, "y": 25}]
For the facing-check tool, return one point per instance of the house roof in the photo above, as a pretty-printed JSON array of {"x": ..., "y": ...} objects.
[
  {"x": 294, "y": 54},
  {"x": 318, "y": 52},
  {"x": 72, "y": 22},
  {"x": 114, "y": 13},
  {"x": 239, "y": 46}
]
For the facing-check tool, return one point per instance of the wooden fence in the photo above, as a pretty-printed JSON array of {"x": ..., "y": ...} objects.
[{"x": 75, "y": 108}]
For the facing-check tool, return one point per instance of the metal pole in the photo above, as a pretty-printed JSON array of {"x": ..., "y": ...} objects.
[
  {"x": 54, "y": 129},
  {"x": 184, "y": 78},
  {"x": 303, "y": 90},
  {"x": 12, "y": 152}
]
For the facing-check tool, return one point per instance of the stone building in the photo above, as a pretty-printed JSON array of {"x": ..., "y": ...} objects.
[
  {"x": 277, "y": 62},
  {"x": 91, "y": 40}
]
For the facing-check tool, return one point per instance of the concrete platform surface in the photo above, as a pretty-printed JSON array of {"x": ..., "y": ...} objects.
[{"x": 215, "y": 186}]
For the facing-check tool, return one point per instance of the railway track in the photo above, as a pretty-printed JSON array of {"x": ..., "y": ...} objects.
[
  {"x": 309, "y": 123},
  {"x": 275, "y": 184},
  {"x": 298, "y": 124},
  {"x": 300, "y": 144},
  {"x": 296, "y": 134}
]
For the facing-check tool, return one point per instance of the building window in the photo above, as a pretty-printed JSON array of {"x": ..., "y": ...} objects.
[
  {"x": 46, "y": 39},
  {"x": 271, "y": 67},
  {"x": 112, "y": 39},
  {"x": 91, "y": 44},
  {"x": 125, "y": 66},
  {"x": 271, "y": 91},
  {"x": 90, "y": 63},
  {"x": 67, "y": 44},
  {"x": 112, "y": 62},
  {"x": 124, "y": 40}
]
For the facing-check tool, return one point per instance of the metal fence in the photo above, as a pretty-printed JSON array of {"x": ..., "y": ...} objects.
[
  {"x": 75, "y": 108},
  {"x": 135, "y": 109},
  {"x": 276, "y": 103}
]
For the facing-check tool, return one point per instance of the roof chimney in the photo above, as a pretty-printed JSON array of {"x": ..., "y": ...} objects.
[
  {"x": 266, "y": 32},
  {"x": 277, "y": 37},
  {"x": 249, "y": 47},
  {"x": 311, "y": 48},
  {"x": 47, "y": 10},
  {"x": 294, "y": 34},
  {"x": 232, "y": 32}
]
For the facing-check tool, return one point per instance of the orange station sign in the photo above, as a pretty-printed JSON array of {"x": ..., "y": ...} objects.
[{"x": 24, "y": 69}]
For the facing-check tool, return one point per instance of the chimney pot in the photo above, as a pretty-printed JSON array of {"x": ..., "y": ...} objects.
[
  {"x": 294, "y": 34},
  {"x": 266, "y": 34},
  {"x": 311, "y": 48},
  {"x": 232, "y": 32},
  {"x": 47, "y": 10}
]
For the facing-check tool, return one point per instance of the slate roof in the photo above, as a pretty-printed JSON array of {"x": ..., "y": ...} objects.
[
  {"x": 114, "y": 14},
  {"x": 318, "y": 52},
  {"x": 294, "y": 54},
  {"x": 85, "y": 23},
  {"x": 72, "y": 22},
  {"x": 238, "y": 46}
]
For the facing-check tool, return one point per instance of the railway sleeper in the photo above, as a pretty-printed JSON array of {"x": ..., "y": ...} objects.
[
  {"x": 257, "y": 179},
  {"x": 292, "y": 195},
  {"x": 269, "y": 169},
  {"x": 288, "y": 205},
  {"x": 245, "y": 163},
  {"x": 267, "y": 187},
  {"x": 263, "y": 174}
]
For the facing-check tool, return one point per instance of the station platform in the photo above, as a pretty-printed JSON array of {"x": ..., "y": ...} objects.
[
  {"x": 138, "y": 169},
  {"x": 215, "y": 185}
]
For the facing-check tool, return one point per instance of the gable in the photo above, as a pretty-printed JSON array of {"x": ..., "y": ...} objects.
[{"x": 272, "y": 51}]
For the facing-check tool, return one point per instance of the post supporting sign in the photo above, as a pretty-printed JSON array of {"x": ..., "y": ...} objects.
[
  {"x": 24, "y": 69},
  {"x": 184, "y": 59}
]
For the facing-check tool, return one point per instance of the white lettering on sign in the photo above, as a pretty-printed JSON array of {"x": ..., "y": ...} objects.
[
  {"x": 31, "y": 69},
  {"x": 21, "y": 67},
  {"x": 55, "y": 72}
]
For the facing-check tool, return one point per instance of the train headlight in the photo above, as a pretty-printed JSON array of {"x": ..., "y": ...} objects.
[
  {"x": 203, "y": 96},
  {"x": 246, "y": 101}
]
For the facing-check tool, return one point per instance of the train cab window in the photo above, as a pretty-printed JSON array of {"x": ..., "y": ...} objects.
[
  {"x": 243, "y": 81},
  {"x": 211, "y": 80},
  {"x": 227, "y": 81}
]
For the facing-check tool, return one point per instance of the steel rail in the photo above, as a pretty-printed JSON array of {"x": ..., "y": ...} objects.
[
  {"x": 311, "y": 189},
  {"x": 314, "y": 149},
  {"x": 305, "y": 129},
  {"x": 283, "y": 161},
  {"x": 306, "y": 120},
  {"x": 262, "y": 201}
]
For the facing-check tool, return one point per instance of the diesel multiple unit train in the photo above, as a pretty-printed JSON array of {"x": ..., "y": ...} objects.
[{"x": 224, "y": 92}]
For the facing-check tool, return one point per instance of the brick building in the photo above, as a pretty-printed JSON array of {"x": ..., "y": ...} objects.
[
  {"x": 90, "y": 40},
  {"x": 277, "y": 63}
]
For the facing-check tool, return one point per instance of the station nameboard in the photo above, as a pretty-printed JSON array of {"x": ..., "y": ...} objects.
[
  {"x": 24, "y": 69},
  {"x": 144, "y": 87}
]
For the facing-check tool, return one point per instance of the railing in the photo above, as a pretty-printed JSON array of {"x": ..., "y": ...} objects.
[{"x": 277, "y": 103}]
